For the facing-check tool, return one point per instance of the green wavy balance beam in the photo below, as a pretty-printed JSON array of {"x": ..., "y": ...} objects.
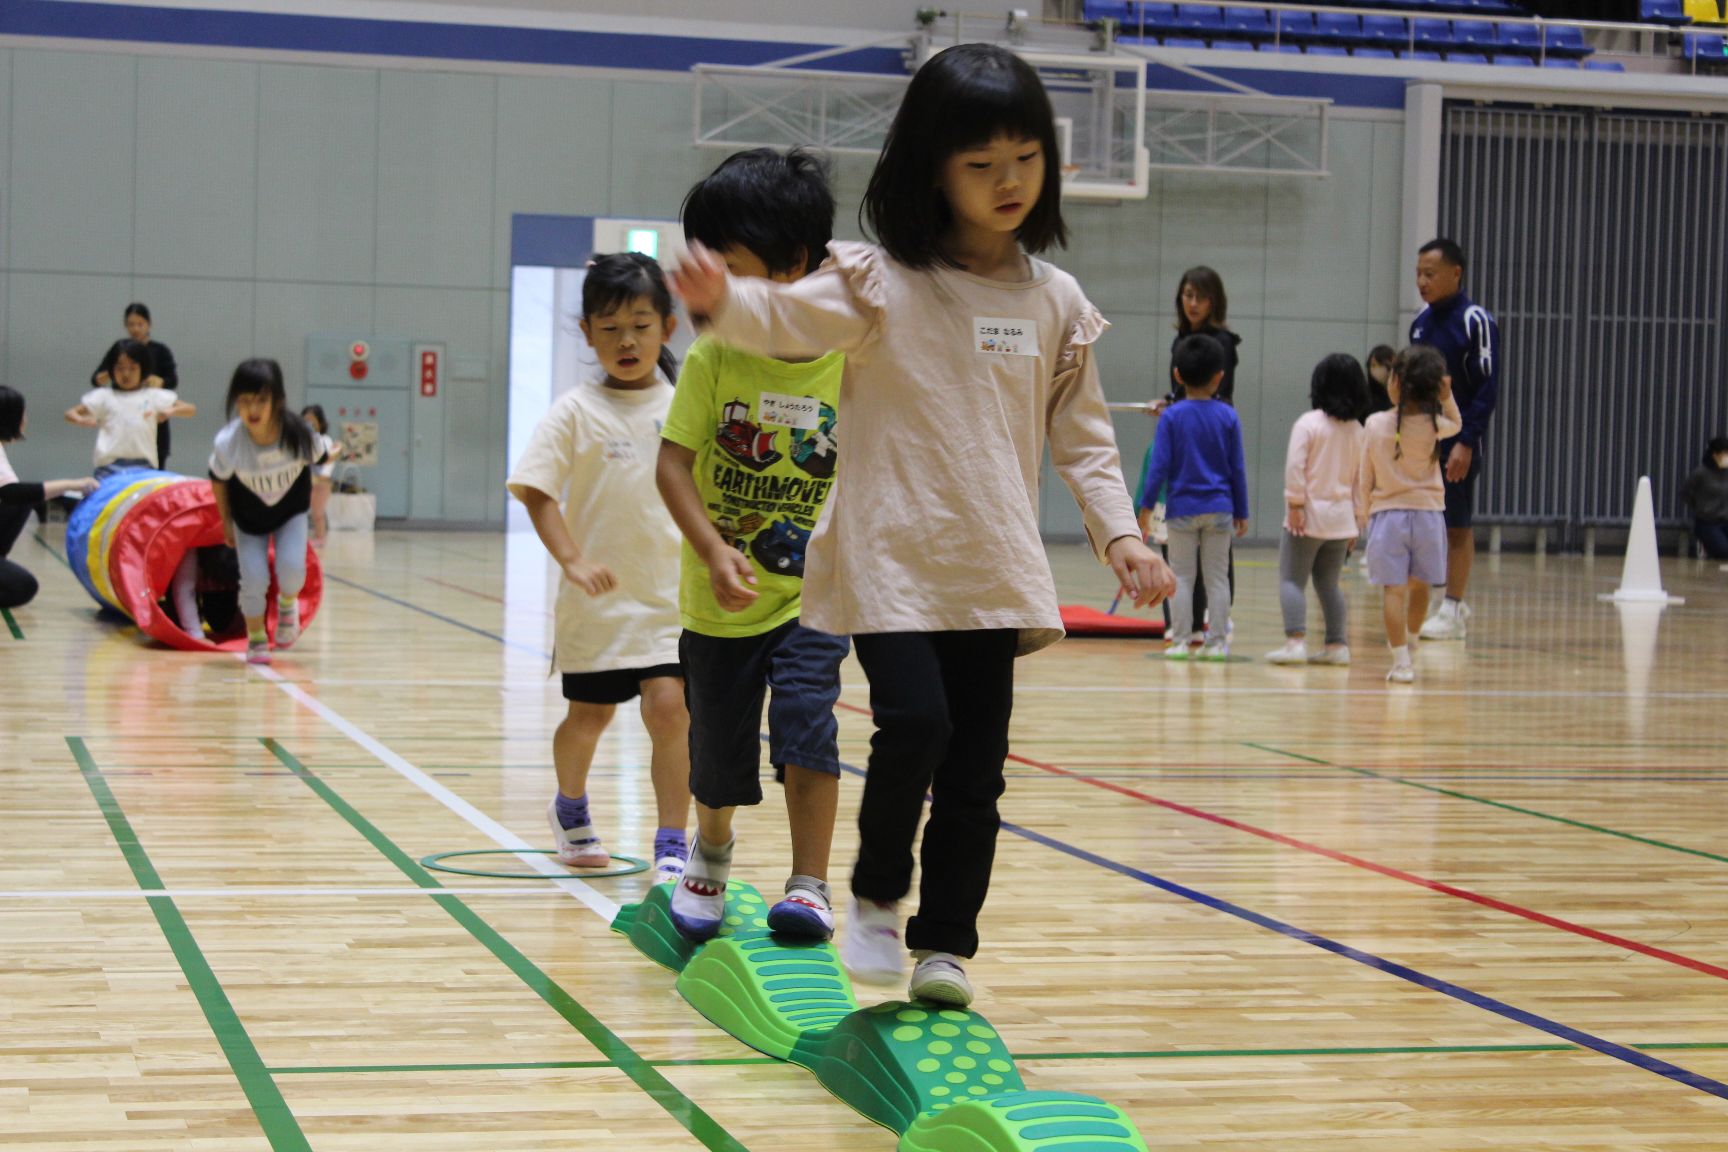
[{"x": 939, "y": 1077}]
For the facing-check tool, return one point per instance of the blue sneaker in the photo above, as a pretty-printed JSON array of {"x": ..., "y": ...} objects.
[
  {"x": 805, "y": 913},
  {"x": 698, "y": 906}
]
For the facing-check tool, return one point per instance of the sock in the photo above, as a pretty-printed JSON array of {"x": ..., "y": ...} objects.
[
  {"x": 720, "y": 854},
  {"x": 1400, "y": 655},
  {"x": 257, "y": 636},
  {"x": 670, "y": 842},
  {"x": 572, "y": 813},
  {"x": 811, "y": 886},
  {"x": 287, "y": 608}
]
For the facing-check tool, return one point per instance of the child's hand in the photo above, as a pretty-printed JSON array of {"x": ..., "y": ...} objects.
[
  {"x": 1298, "y": 520},
  {"x": 700, "y": 278},
  {"x": 1143, "y": 576},
  {"x": 594, "y": 579},
  {"x": 1156, "y": 408},
  {"x": 85, "y": 486},
  {"x": 103, "y": 380},
  {"x": 1241, "y": 529},
  {"x": 730, "y": 576}
]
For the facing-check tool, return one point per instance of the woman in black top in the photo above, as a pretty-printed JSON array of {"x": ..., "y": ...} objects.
[
  {"x": 17, "y": 586},
  {"x": 1706, "y": 493},
  {"x": 161, "y": 372}
]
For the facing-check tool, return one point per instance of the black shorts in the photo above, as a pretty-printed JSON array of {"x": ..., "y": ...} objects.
[
  {"x": 617, "y": 686},
  {"x": 727, "y": 678},
  {"x": 1461, "y": 497}
]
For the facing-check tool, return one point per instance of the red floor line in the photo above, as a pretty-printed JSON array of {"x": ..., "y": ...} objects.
[
  {"x": 1384, "y": 870},
  {"x": 460, "y": 588},
  {"x": 1394, "y": 873}
]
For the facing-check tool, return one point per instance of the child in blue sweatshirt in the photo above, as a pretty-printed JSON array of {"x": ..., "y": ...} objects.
[{"x": 1197, "y": 451}]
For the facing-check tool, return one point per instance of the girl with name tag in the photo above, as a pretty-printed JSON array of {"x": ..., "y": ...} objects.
[{"x": 964, "y": 356}]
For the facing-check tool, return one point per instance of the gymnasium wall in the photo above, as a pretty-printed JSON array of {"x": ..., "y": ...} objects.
[{"x": 251, "y": 203}]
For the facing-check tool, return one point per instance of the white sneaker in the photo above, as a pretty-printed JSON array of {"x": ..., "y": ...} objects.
[
  {"x": 870, "y": 947},
  {"x": 1402, "y": 674},
  {"x": 577, "y": 847},
  {"x": 939, "y": 977},
  {"x": 1293, "y": 652},
  {"x": 287, "y": 626},
  {"x": 1338, "y": 657},
  {"x": 1215, "y": 650},
  {"x": 1176, "y": 650},
  {"x": 1449, "y": 623}
]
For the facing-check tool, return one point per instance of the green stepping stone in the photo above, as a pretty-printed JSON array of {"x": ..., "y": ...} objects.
[
  {"x": 939, "y": 1076},
  {"x": 1025, "y": 1122}
]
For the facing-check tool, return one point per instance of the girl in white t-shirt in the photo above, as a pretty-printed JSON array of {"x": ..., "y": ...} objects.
[
  {"x": 964, "y": 357},
  {"x": 261, "y": 473},
  {"x": 125, "y": 416},
  {"x": 587, "y": 481},
  {"x": 323, "y": 476}
]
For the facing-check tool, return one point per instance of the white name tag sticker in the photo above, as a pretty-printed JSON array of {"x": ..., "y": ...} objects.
[
  {"x": 791, "y": 411},
  {"x": 995, "y": 336}
]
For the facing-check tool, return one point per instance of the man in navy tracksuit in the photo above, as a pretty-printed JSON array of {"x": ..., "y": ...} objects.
[{"x": 1464, "y": 333}]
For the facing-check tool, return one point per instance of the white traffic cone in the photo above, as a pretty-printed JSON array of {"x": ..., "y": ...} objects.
[{"x": 1641, "y": 575}]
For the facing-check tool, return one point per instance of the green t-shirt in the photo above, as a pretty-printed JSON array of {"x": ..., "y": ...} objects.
[{"x": 763, "y": 433}]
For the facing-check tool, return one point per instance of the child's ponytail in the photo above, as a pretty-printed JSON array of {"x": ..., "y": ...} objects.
[
  {"x": 1420, "y": 372},
  {"x": 617, "y": 278}
]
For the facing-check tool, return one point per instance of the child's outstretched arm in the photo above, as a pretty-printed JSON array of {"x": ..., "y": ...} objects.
[
  {"x": 181, "y": 408},
  {"x": 81, "y": 416},
  {"x": 729, "y": 573},
  {"x": 818, "y": 314}
]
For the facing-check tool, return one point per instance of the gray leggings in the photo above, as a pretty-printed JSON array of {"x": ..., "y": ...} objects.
[
  {"x": 1298, "y": 558},
  {"x": 1200, "y": 551}
]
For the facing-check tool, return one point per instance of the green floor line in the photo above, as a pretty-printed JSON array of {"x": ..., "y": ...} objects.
[
  {"x": 1034, "y": 1058},
  {"x": 268, "y": 1105},
  {"x": 1457, "y": 795},
  {"x": 11, "y": 624},
  {"x": 677, "y": 1105},
  {"x": 60, "y": 556}
]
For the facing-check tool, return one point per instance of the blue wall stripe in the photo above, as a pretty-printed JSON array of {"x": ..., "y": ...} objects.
[
  {"x": 563, "y": 47},
  {"x": 1621, "y": 1052}
]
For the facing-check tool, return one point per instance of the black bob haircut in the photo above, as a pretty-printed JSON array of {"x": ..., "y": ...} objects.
[
  {"x": 1199, "y": 359},
  {"x": 963, "y": 98},
  {"x": 138, "y": 310},
  {"x": 1339, "y": 387},
  {"x": 777, "y": 206},
  {"x": 1717, "y": 444},
  {"x": 139, "y": 353},
  {"x": 617, "y": 278},
  {"x": 262, "y": 377},
  {"x": 11, "y": 415},
  {"x": 1448, "y": 249}
]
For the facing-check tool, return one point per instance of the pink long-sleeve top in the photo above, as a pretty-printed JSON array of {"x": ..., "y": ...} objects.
[
  {"x": 1320, "y": 475},
  {"x": 1410, "y": 479},
  {"x": 953, "y": 385}
]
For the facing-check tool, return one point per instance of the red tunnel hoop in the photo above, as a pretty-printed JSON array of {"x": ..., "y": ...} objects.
[{"x": 147, "y": 549}]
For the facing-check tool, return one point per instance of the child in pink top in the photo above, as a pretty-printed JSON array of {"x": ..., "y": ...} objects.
[
  {"x": 1402, "y": 499},
  {"x": 1320, "y": 508},
  {"x": 964, "y": 356}
]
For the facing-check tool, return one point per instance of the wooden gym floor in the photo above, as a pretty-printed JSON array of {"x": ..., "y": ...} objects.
[{"x": 1257, "y": 907}]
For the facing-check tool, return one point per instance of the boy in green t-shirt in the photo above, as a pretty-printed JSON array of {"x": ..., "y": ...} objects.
[{"x": 746, "y": 462}]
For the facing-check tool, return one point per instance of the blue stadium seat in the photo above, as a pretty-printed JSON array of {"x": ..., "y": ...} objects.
[
  {"x": 1391, "y": 31},
  {"x": 1296, "y": 25},
  {"x": 1151, "y": 17},
  {"x": 1421, "y": 55},
  {"x": 1567, "y": 42},
  {"x": 1664, "y": 12},
  {"x": 1604, "y": 66},
  {"x": 1183, "y": 42},
  {"x": 1232, "y": 46},
  {"x": 1433, "y": 34},
  {"x": 1105, "y": 10},
  {"x": 1248, "y": 23},
  {"x": 1337, "y": 28},
  {"x": 1466, "y": 58},
  {"x": 1328, "y": 50},
  {"x": 1285, "y": 48},
  {"x": 1473, "y": 34},
  {"x": 1514, "y": 62},
  {"x": 1205, "y": 19},
  {"x": 1525, "y": 38},
  {"x": 1560, "y": 62},
  {"x": 1701, "y": 47},
  {"x": 1376, "y": 54}
]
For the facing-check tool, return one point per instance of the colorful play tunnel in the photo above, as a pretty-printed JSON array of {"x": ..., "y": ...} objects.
[{"x": 126, "y": 540}]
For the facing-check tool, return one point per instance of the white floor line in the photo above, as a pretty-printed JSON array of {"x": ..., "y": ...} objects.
[
  {"x": 606, "y": 909},
  {"x": 252, "y": 892},
  {"x": 1204, "y": 689}
]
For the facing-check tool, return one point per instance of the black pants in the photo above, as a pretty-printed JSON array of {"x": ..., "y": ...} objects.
[
  {"x": 1713, "y": 534},
  {"x": 17, "y": 586},
  {"x": 942, "y": 701}
]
